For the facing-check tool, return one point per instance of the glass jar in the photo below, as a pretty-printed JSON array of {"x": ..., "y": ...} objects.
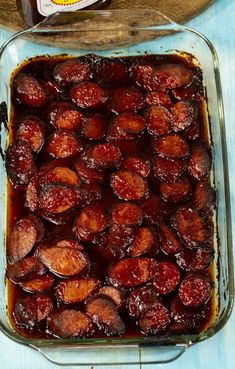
[{"x": 34, "y": 11}]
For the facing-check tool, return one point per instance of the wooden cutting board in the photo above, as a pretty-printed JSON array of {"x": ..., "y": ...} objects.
[{"x": 178, "y": 10}]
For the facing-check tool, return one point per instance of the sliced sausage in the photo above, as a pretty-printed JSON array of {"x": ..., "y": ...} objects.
[
  {"x": 91, "y": 221},
  {"x": 70, "y": 244},
  {"x": 168, "y": 170},
  {"x": 63, "y": 144},
  {"x": 155, "y": 210},
  {"x": 144, "y": 240},
  {"x": 132, "y": 272},
  {"x": 190, "y": 227},
  {"x": 70, "y": 323},
  {"x": 63, "y": 115},
  {"x": 39, "y": 284},
  {"x": 171, "y": 146},
  {"x": 73, "y": 291},
  {"x": 104, "y": 155},
  {"x": 115, "y": 294},
  {"x": 27, "y": 268},
  {"x": 31, "y": 310},
  {"x": 193, "y": 132},
  {"x": 170, "y": 76},
  {"x": 112, "y": 73},
  {"x": 29, "y": 91},
  {"x": 128, "y": 185},
  {"x": 169, "y": 241},
  {"x": 89, "y": 175},
  {"x": 38, "y": 226},
  {"x": 62, "y": 175},
  {"x": 158, "y": 120},
  {"x": 141, "y": 300},
  {"x": 104, "y": 314},
  {"x": 22, "y": 240},
  {"x": 116, "y": 134},
  {"x": 158, "y": 98},
  {"x": 127, "y": 214},
  {"x": 143, "y": 76},
  {"x": 155, "y": 320},
  {"x": 184, "y": 114},
  {"x": 72, "y": 71},
  {"x": 167, "y": 277},
  {"x": 195, "y": 91},
  {"x": 177, "y": 191},
  {"x": 204, "y": 197},
  {"x": 94, "y": 127},
  {"x": 195, "y": 260},
  {"x": 137, "y": 165},
  {"x": 130, "y": 123},
  {"x": 88, "y": 95},
  {"x": 31, "y": 131},
  {"x": 20, "y": 164},
  {"x": 58, "y": 198},
  {"x": 64, "y": 261},
  {"x": 195, "y": 290},
  {"x": 200, "y": 162},
  {"x": 126, "y": 100},
  {"x": 89, "y": 193}
]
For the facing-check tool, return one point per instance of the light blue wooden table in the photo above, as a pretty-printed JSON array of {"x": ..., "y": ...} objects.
[{"x": 218, "y": 24}]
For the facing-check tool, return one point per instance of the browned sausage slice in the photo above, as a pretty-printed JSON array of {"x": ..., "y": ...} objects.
[
  {"x": 39, "y": 284},
  {"x": 159, "y": 120},
  {"x": 137, "y": 165},
  {"x": 88, "y": 95},
  {"x": 171, "y": 146},
  {"x": 31, "y": 130},
  {"x": 184, "y": 114},
  {"x": 195, "y": 290},
  {"x": 115, "y": 294},
  {"x": 171, "y": 76},
  {"x": 128, "y": 185},
  {"x": 132, "y": 272},
  {"x": 144, "y": 240},
  {"x": 104, "y": 314},
  {"x": 29, "y": 90},
  {"x": 200, "y": 162},
  {"x": 195, "y": 260},
  {"x": 61, "y": 175},
  {"x": 63, "y": 144},
  {"x": 155, "y": 320},
  {"x": 72, "y": 71},
  {"x": 112, "y": 73},
  {"x": 127, "y": 214},
  {"x": 167, "y": 277},
  {"x": 168, "y": 170},
  {"x": 70, "y": 323},
  {"x": 74, "y": 291},
  {"x": 70, "y": 244},
  {"x": 64, "y": 261},
  {"x": 94, "y": 127},
  {"x": 58, "y": 198},
  {"x": 31, "y": 310},
  {"x": 204, "y": 196},
  {"x": 141, "y": 300},
  {"x": 89, "y": 175},
  {"x": 177, "y": 191},
  {"x": 104, "y": 155},
  {"x": 130, "y": 123},
  {"x": 126, "y": 100},
  {"x": 169, "y": 242},
  {"x": 193, "y": 132},
  {"x": 63, "y": 115},
  {"x": 89, "y": 193},
  {"x": 155, "y": 210},
  {"x": 27, "y": 268},
  {"x": 158, "y": 98},
  {"x": 143, "y": 76},
  {"x": 38, "y": 225}
]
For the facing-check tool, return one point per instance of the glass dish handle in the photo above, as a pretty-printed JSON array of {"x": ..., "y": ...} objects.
[{"x": 109, "y": 356}]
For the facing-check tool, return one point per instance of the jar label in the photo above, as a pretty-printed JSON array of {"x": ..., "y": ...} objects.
[{"x": 47, "y": 7}]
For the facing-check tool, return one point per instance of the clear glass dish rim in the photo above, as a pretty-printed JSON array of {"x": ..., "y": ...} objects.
[{"x": 142, "y": 341}]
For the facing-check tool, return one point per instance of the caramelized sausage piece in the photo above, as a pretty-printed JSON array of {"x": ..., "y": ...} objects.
[
  {"x": 58, "y": 198},
  {"x": 155, "y": 320},
  {"x": 63, "y": 115},
  {"x": 31, "y": 310},
  {"x": 31, "y": 131},
  {"x": 159, "y": 120},
  {"x": 167, "y": 277},
  {"x": 113, "y": 73},
  {"x": 89, "y": 193},
  {"x": 137, "y": 165},
  {"x": 158, "y": 98},
  {"x": 70, "y": 323},
  {"x": 127, "y": 214},
  {"x": 70, "y": 244},
  {"x": 27, "y": 268},
  {"x": 171, "y": 146},
  {"x": 171, "y": 76},
  {"x": 144, "y": 240},
  {"x": 204, "y": 197},
  {"x": 94, "y": 127},
  {"x": 195, "y": 260},
  {"x": 128, "y": 185},
  {"x": 193, "y": 132},
  {"x": 132, "y": 272},
  {"x": 104, "y": 155},
  {"x": 22, "y": 240},
  {"x": 195, "y": 290},
  {"x": 89, "y": 175},
  {"x": 72, "y": 71},
  {"x": 143, "y": 76},
  {"x": 168, "y": 170},
  {"x": 155, "y": 210},
  {"x": 88, "y": 95},
  {"x": 184, "y": 113},
  {"x": 92, "y": 220},
  {"x": 190, "y": 227},
  {"x": 104, "y": 314},
  {"x": 61, "y": 175},
  {"x": 38, "y": 225},
  {"x": 74, "y": 291},
  {"x": 116, "y": 134},
  {"x": 141, "y": 300},
  {"x": 130, "y": 123},
  {"x": 177, "y": 191},
  {"x": 29, "y": 90},
  {"x": 20, "y": 163},
  {"x": 126, "y": 100},
  {"x": 169, "y": 242},
  {"x": 63, "y": 144},
  {"x": 64, "y": 261},
  {"x": 115, "y": 294},
  {"x": 199, "y": 163},
  {"x": 39, "y": 284}
]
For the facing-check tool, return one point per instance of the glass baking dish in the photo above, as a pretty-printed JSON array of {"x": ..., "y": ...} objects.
[{"x": 125, "y": 33}]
